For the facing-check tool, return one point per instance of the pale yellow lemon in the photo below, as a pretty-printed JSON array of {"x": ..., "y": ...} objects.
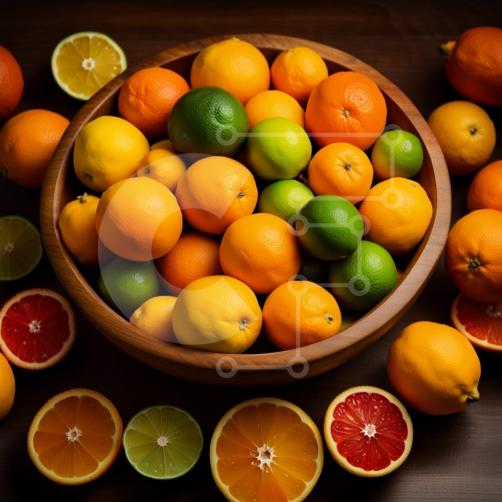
[{"x": 154, "y": 317}]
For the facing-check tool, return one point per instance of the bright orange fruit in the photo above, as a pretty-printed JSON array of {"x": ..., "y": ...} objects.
[{"x": 11, "y": 83}]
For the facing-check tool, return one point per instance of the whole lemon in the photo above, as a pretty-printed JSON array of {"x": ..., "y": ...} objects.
[
  {"x": 434, "y": 368},
  {"x": 7, "y": 387},
  {"x": 217, "y": 313},
  {"x": 108, "y": 149},
  {"x": 153, "y": 317}
]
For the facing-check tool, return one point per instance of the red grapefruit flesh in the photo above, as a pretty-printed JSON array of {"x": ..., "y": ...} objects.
[
  {"x": 368, "y": 431},
  {"x": 480, "y": 322},
  {"x": 37, "y": 329}
]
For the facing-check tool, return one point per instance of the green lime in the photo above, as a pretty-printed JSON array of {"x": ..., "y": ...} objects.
[
  {"x": 163, "y": 442},
  {"x": 314, "y": 270},
  {"x": 329, "y": 227},
  {"x": 284, "y": 198},
  {"x": 208, "y": 120},
  {"x": 360, "y": 281},
  {"x": 128, "y": 284},
  {"x": 20, "y": 247},
  {"x": 278, "y": 149},
  {"x": 397, "y": 153}
]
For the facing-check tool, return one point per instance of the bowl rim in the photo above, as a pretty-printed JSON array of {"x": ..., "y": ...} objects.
[{"x": 390, "y": 308}]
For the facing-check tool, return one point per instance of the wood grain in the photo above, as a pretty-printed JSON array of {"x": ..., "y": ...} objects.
[{"x": 263, "y": 368}]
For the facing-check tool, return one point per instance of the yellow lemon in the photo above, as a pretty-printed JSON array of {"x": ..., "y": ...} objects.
[
  {"x": 77, "y": 223},
  {"x": 164, "y": 144},
  {"x": 108, "y": 149},
  {"x": 217, "y": 313},
  {"x": 164, "y": 166},
  {"x": 434, "y": 368},
  {"x": 7, "y": 387},
  {"x": 154, "y": 317}
]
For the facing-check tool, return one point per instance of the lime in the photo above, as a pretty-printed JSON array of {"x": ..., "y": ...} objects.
[
  {"x": 208, "y": 120},
  {"x": 329, "y": 227},
  {"x": 397, "y": 153},
  {"x": 360, "y": 281},
  {"x": 278, "y": 149},
  {"x": 163, "y": 442},
  {"x": 284, "y": 198},
  {"x": 20, "y": 248},
  {"x": 128, "y": 284},
  {"x": 314, "y": 270}
]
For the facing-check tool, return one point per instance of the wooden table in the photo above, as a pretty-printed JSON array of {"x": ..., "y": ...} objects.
[{"x": 455, "y": 458}]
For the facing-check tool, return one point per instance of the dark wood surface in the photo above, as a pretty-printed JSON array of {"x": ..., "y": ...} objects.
[{"x": 456, "y": 458}]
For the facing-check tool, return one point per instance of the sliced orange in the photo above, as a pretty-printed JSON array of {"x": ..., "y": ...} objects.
[
  {"x": 75, "y": 437},
  {"x": 368, "y": 431},
  {"x": 264, "y": 450},
  {"x": 480, "y": 322}
]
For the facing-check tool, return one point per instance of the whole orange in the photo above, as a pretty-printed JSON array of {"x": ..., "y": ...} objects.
[
  {"x": 341, "y": 169},
  {"x": 162, "y": 165},
  {"x": 216, "y": 191},
  {"x": 270, "y": 104},
  {"x": 148, "y": 96},
  {"x": 485, "y": 191},
  {"x": 11, "y": 83},
  {"x": 234, "y": 65},
  {"x": 297, "y": 71},
  {"x": 27, "y": 143},
  {"x": 261, "y": 250},
  {"x": 194, "y": 256},
  {"x": 139, "y": 219},
  {"x": 299, "y": 313},
  {"x": 346, "y": 107},
  {"x": 473, "y": 255}
]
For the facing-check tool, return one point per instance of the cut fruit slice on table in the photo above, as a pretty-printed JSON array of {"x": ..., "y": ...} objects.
[
  {"x": 480, "y": 322},
  {"x": 368, "y": 431},
  {"x": 84, "y": 62},
  {"x": 37, "y": 329},
  {"x": 75, "y": 437},
  {"x": 20, "y": 247},
  {"x": 163, "y": 442},
  {"x": 266, "y": 449}
]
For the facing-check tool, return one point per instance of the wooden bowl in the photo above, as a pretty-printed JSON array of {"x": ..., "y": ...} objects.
[{"x": 264, "y": 368}]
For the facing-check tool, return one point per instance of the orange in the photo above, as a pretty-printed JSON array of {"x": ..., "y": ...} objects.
[
  {"x": 148, "y": 96},
  {"x": 75, "y": 437},
  {"x": 139, "y": 219},
  {"x": 77, "y": 224},
  {"x": 299, "y": 313},
  {"x": 266, "y": 449},
  {"x": 27, "y": 143},
  {"x": 397, "y": 214},
  {"x": 234, "y": 65},
  {"x": 194, "y": 256},
  {"x": 7, "y": 387},
  {"x": 271, "y": 104},
  {"x": 261, "y": 250},
  {"x": 11, "y": 83},
  {"x": 341, "y": 169},
  {"x": 473, "y": 255},
  {"x": 465, "y": 133},
  {"x": 162, "y": 165},
  {"x": 297, "y": 71},
  {"x": 346, "y": 107},
  {"x": 216, "y": 191},
  {"x": 485, "y": 191}
]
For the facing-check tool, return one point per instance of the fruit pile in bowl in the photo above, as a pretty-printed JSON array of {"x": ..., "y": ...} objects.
[{"x": 246, "y": 205}]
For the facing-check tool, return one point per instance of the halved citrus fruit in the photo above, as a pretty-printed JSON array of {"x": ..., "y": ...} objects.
[
  {"x": 266, "y": 449},
  {"x": 480, "y": 322},
  {"x": 37, "y": 329},
  {"x": 163, "y": 442},
  {"x": 368, "y": 431},
  {"x": 75, "y": 437},
  {"x": 84, "y": 62},
  {"x": 20, "y": 247}
]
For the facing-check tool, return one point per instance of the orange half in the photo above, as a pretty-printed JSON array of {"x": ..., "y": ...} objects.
[
  {"x": 266, "y": 450},
  {"x": 75, "y": 437}
]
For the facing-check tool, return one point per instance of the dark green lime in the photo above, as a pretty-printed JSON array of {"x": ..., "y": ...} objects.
[
  {"x": 329, "y": 227},
  {"x": 208, "y": 120}
]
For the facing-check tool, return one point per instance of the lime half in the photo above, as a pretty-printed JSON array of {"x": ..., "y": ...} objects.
[
  {"x": 163, "y": 442},
  {"x": 20, "y": 247}
]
